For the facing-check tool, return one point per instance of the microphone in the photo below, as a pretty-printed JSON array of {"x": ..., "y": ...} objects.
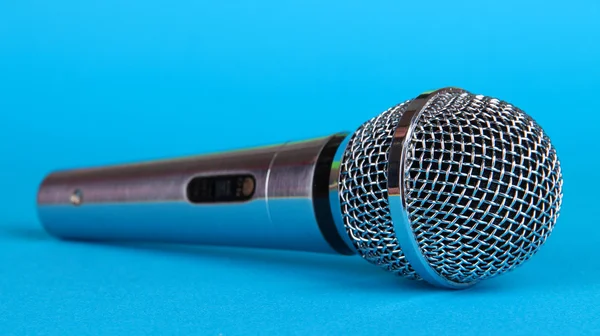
[{"x": 450, "y": 188}]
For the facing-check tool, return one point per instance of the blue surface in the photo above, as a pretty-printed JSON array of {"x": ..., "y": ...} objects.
[{"x": 97, "y": 82}]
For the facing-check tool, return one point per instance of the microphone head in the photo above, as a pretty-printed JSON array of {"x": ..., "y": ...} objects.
[{"x": 450, "y": 187}]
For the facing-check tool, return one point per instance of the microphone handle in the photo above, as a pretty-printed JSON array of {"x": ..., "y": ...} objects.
[{"x": 282, "y": 197}]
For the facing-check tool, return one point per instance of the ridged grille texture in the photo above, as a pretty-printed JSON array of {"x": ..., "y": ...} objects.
[{"x": 482, "y": 187}]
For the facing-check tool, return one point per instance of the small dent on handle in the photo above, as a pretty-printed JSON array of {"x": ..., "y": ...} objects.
[{"x": 76, "y": 197}]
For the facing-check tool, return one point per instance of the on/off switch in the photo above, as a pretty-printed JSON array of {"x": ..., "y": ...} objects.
[{"x": 219, "y": 189}]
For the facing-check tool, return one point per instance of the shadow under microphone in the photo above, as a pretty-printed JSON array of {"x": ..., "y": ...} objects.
[{"x": 450, "y": 187}]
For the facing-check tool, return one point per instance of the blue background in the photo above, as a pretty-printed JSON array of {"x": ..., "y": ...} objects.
[{"x": 99, "y": 82}]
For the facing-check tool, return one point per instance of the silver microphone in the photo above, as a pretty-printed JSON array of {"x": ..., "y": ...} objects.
[{"x": 450, "y": 187}]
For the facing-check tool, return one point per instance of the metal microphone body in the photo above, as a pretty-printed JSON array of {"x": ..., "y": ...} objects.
[
  {"x": 449, "y": 187},
  {"x": 269, "y": 197}
]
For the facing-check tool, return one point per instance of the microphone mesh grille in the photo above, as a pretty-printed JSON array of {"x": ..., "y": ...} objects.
[
  {"x": 364, "y": 199},
  {"x": 482, "y": 187}
]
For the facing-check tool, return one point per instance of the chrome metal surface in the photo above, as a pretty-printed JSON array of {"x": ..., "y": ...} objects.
[
  {"x": 451, "y": 187},
  {"x": 363, "y": 193},
  {"x": 148, "y": 201},
  {"x": 334, "y": 194},
  {"x": 396, "y": 190}
]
